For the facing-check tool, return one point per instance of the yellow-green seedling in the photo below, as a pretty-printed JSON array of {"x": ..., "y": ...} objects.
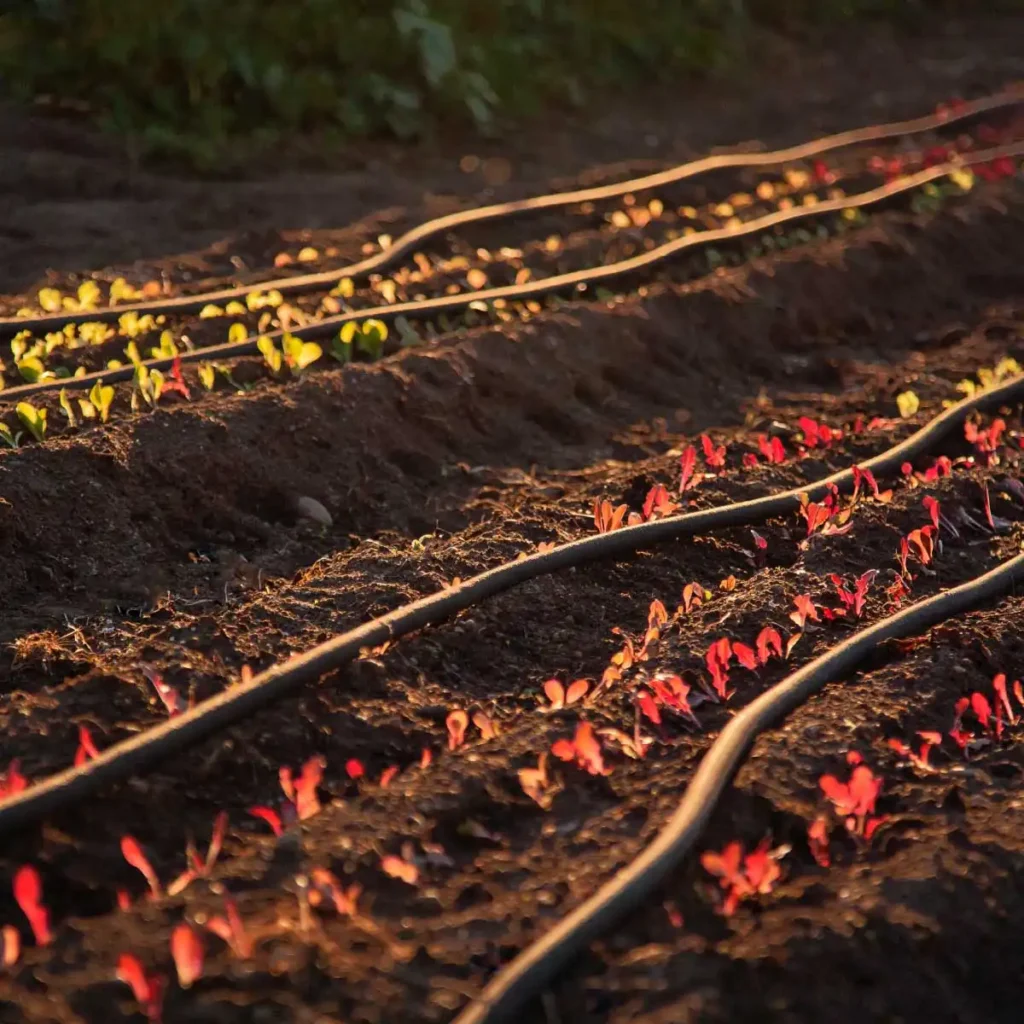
[
  {"x": 32, "y": 370},
  {"x": 166, "y": 349},
  {"x": 299, "y": 354},
  {"x": 100, "y": 397},
  {"x": 65, "y": 407},
  {"x": 33, "y": 419},
  {"x": 148, "y": 384},
  {"x": 8, "y": 436},
  {"x": 271, "y": 354},
  {"x": 207, "y": 375},
  {"x": 237, "y": 333}
]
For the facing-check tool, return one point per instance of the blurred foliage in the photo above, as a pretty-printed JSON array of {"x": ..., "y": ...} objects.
[{"x": 201, "y": 78}]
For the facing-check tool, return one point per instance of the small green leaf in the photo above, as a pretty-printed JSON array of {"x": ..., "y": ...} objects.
[
  {"x": 33, "y": 419},
  {"x": 372, "y": 335},
  {"x": 8, "y": 437}
]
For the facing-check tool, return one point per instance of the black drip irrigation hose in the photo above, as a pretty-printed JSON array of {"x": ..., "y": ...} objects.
[
  {"x": 122, "y": 760},
  {"x": 578, "y": 279},
  {"x": 1011, "y": 97},
  {"x": 530, "y": 973}
]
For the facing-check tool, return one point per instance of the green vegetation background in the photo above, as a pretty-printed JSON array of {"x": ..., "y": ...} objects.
[{"x": 206, "y": 80}]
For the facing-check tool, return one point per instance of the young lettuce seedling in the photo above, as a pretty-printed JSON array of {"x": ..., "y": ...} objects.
[
  {"x": 33, "y": 419},
  {"x": 271, "y": 355},
  {"x": 100, "y": 397},
  {"x": 299, "y": 354},
  {"x": 9, "y": 437}
]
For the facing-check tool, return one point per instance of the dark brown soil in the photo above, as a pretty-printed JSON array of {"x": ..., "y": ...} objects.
[{"x": 172, "y": 541}]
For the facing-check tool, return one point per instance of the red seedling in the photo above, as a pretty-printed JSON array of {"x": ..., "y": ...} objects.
[
  {"x": 672, "y": 692},
  {"x": 986, "y": 504},
  {"x": 345, "y": 900},
  {"x": 561, "y": 696},
  {"x": 271, "y": 817},
  {"x": 536, "y": 784},
  {"x": 387, "y": 776},
  {"x": 749, "y": 460},
  {"x": 457, "y": 722},
  {"x": 745, "y": 656},
  {"x": 426, "y": 756},
  {"x": 648, "y": 707},
  {"x": 985, "y": 440},
  {"x": 198, "y": 867},
  {"x": 742, "y": 877},
  {"x": 399, "y": 867},
  {"x": 853, "y": 601},
  {"x": 687, "y": 464},
  {"x": 607, "y": 518},
  {"x": 187, "y": 953},
  {"x": 132, "y": 852},
  {"x": 1003, "y": 698},
  {"x": 855, "y": 800},
  {"x": 354, "y": 768},
  {"x": 806, "y": 611},
  {"x": 866, "y": 476},
  {"x": 922, "y": 543},
  {"x": 822, "y": 174},
  {"x": 302, "y": 791},
  {"x": 231, "y": 929},
  {"x": 717, "y": 661},
  {"x": 693, "y": 597},
  {"x": 920, "y": 759},
  {"x": 657, "y": 616},
  {"x": 768, "y": 640},
  {"x": 815, "y": 433},
  {"x": 487, "y": 726},
  {"x": 817, "y": 840},
  {"x": 584, "y": 748},
  {"x": 148, "y": 989},
  {"x": 12, "y": 781},
  {"x": 10, "y": 945},
  {"x": 176, "y": 381},
  {"x": 658, "y": 504},
  {"x": 772, "y": 449},
  {"x": 28, "y": 894},
  {"x": 713, "y": 456},
  {"x": 169, "y": 696},
  {"x": 932, "y": 508},
  {"x": 86, "y": 748}
]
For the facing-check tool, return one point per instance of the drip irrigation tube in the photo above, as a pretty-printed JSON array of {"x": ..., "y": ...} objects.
[
  {"x": 533, "y": 289},
  {"x": 538, "y": 965},
  {"x": 120, "y": 761},
  {"x": 407, "y": 242}
]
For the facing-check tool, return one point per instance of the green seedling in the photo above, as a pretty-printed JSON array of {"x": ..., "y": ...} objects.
[
  {"x": 372, "y": 336},
  {"x": 65, "y": 405},
  {"x": 299, "y": 354},
  {"x": 408, "y": 338},
  {"x": 33, "y": 419},
  {"x": 132, "y": 353},
  {"x": 8, "y": 436},
  {"x": 100, "y": 397},
  {"x": 270, "y": 352},
  {"x": 341, "y": 348}
]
